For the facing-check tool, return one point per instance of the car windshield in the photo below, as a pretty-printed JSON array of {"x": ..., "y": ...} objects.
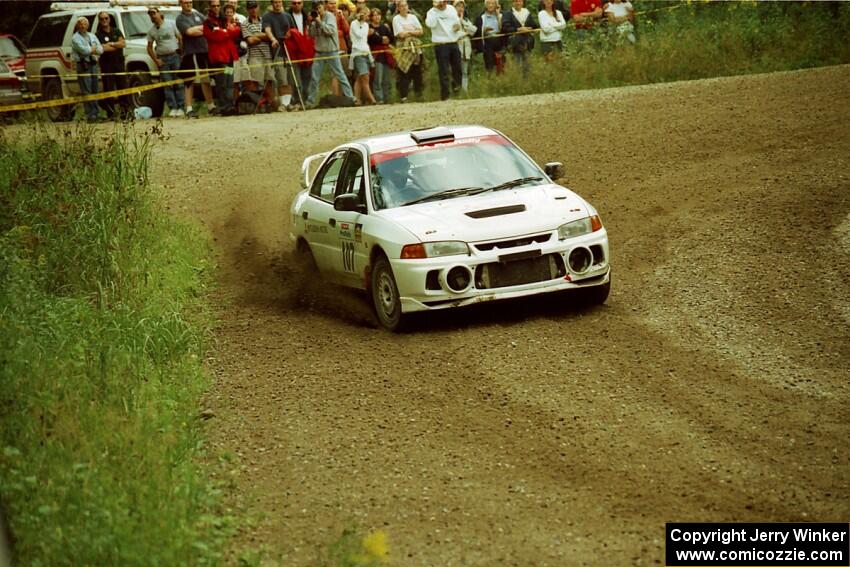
[
  {"x": 137, "y": 24},
  {"x": 8, "y": 49},
  {"x": 448, "y": 169}
]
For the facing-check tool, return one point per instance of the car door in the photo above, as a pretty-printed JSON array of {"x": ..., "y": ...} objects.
[
  {"x": 318, "y": 213},
  {"x": 347, "y": 226}
]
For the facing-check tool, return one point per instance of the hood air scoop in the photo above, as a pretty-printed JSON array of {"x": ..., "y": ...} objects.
[{"x": 498, "y": 211}]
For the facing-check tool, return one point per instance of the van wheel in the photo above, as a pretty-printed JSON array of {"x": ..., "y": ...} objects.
[
  {"x": 154, "y": 98},
  {"x": 53, "y": 91}
]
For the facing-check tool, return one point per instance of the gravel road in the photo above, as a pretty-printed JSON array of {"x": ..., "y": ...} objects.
[{"x": 713, "y": 386}]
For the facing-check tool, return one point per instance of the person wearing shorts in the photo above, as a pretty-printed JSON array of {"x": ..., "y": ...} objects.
[
  {"x": 361, "y": 57},
  {"x": 276, "y": 24},
  {"x": 190, "y": 23}
]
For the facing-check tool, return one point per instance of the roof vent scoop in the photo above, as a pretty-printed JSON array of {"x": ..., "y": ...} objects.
[
  {"x": 432, "y": 135},
  {"x": 498, "y": 211}
]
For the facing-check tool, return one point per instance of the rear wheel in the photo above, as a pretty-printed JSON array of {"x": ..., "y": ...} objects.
[
  {"x": 153, "y": 98},
  {"x": 52, "y": 90},
  {"x": 385, "y": 298}
]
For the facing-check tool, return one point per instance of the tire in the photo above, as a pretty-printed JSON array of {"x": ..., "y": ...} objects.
[
  {"x": 52, "y": 90},
  {"x": 304, "y": 257},
  {"x": 598, "y": 294},
  {"x": 385, "y": 298},
  {"x": 155, "y": 98}
]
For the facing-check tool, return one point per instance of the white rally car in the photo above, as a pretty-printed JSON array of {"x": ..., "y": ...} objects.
[{"x": 444, "y": 217}]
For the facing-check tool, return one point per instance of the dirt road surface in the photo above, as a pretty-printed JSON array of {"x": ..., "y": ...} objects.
[{"x": 713, "y": 386}]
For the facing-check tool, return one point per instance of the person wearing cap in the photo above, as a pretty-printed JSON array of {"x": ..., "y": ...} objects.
[
  {"x": 164, "y": 46},
  {"x": 85, "y": 49},
  {"x": 257, "y": 72}
]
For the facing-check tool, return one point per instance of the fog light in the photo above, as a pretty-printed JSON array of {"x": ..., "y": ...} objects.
[
  {"x": 580, "y": 260},
  {"x": 457, "y": 279}
]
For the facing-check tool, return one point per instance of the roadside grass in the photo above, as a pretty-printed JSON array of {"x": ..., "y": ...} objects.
[
  {"x": 678, "y": 41},
  {"x": 102, "y": 333}
]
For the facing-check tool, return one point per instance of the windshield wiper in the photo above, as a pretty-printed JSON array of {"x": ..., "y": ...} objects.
[
  {"x": 460, "y": 191},
  {"x": 513, "y": 183}
]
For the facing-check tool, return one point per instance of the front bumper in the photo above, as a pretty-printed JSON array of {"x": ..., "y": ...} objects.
[{"x": 423, "y": 283}]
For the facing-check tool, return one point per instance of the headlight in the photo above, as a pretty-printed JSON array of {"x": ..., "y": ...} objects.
[
  {"x": 579, "y": 227},
  {"x": 434, "y": 250}
]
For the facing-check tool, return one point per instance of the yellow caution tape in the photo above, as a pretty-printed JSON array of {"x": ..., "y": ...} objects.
[
  {"x": 208, "y": 72},
  {"x": 95, "y": 96}
]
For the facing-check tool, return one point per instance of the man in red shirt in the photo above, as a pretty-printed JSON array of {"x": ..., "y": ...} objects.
[{"x": 585, "y": 14}]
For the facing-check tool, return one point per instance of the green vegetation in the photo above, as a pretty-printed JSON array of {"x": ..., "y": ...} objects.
[
  {"x": 352, "y": 549},
  {"x": 680, "y": 41},
  {"x": 102, "y": 333}
]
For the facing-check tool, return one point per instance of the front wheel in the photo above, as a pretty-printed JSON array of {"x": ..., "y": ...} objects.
[
  {"x": 52, "y": 90},
  {"x": 385, "y": 297}
]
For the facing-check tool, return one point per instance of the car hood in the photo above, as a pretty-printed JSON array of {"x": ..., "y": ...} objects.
[{"x": 488, "y": 216}]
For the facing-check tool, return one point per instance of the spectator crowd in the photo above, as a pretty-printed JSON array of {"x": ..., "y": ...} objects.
[{"x": 276, "y": 60}]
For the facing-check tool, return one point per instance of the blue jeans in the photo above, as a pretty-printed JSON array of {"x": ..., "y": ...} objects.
[
  {"x": 448, "y": 61},
  {"x": 336, "y": 68},
  {"x": 89, "y": 85},
  {"x": 173, "y": 93},
  {"x": 381, "y": 85}
]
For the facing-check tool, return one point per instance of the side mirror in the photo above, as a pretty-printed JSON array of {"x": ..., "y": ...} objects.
[
  {"x": 349, "y": 202},
  {"x": 554, "y": 169}
]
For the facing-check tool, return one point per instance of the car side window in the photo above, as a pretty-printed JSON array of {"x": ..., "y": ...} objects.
[
  {"x": 352, "y": 177},
  {"x": 324, "y": 186},
  {"x": 49, "y": 31}
]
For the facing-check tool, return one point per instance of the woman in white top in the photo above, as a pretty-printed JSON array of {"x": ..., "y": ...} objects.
[
  {"x": 621, "y": 14},
  {"x": 408, "y": 31},
  {"x": 361, "y": 57},
  {"x": 552, "y": 24}
]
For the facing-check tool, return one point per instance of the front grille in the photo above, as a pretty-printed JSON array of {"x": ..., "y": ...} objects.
[
  {"x": 524, "y": 241},
  {"x": 519, "y": 272}
]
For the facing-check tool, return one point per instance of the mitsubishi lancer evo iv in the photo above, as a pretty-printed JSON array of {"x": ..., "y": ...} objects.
[{"x": 446, "y": 217}]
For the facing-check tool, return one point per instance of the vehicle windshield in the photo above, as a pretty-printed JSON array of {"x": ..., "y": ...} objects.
[
  {"x": 137, "y": 24},
  {"x": 448, "y": 169},
  {"x": 8, "y": 49}
]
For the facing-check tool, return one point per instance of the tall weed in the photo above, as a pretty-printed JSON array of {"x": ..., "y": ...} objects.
[
  {"x": 101, "y": 334},
  {"x": 680, "y": 41}
]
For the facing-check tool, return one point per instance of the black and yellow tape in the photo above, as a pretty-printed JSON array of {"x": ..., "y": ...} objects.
[{"x": 37, "y": 105}]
